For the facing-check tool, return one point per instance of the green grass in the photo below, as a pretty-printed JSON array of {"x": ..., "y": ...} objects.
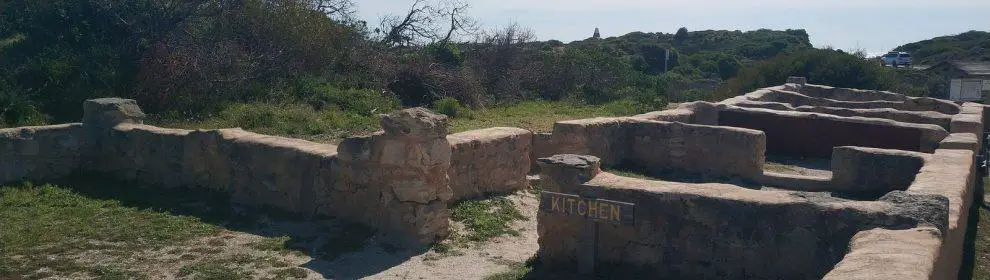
[
  {"x": 538, "y": 116},
  {"x": 778, "y": 167},
  {"x": 290, "y": 120},
  {"x": 487, "y": 218},
  {"x": 278, "y": 243},
  {"x": 213, "y": 270},
  {"x": 981, "y": 265},
  {"x": 332, "y": 124},
  {"x": 516, "y": 272},
  {"x": 43, "y": 226}
]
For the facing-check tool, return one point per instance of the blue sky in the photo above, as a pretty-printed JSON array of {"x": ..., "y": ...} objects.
[{"x": 872, "y": 25}]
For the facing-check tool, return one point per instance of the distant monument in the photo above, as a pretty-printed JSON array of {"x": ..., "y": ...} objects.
[{"x": 597, "y": 34}]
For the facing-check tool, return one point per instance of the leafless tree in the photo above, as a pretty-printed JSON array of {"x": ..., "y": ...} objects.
[
  {"x": 422, "y": 23},
  {"x": 341, "y": 10}
]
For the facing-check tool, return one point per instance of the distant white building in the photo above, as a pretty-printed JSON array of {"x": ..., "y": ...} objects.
[{"x": 968, "y": 80}]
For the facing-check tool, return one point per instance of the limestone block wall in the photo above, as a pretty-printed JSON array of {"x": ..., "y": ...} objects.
[
  {"x": 950, "y": 173},
  {"x": 920, "y": 117},
  {"x": 698, "y": 112},
  {"x": 870, "y": 173},
  {"x": 396, "y": 181},
  {"x": 724, "y": 151},
  {"x": 542, "y": 147},
  {"x": 259, "y": 170},
  {"x": 491, "y": 160},
  {"x": 814, "y": 135},
  {"x": 844, "y": 94},
  {"x": 40, "y": 152},
  {"x": 715, "y": 150},
  {"x": 606, "y": 138},
  {"x": 787, "y": 94},
  {"x": 708, "y": 231}
]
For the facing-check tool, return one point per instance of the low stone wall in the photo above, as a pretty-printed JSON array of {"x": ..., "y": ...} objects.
[
  {"x": 883, "y": 254},
  {"x": 952, "y": 174},
  {"x": 920, "y": 117},
  {"x": 714, "y": 150},
  {"x": 871, "y": 173},
  {"x": 814, "y": 135},
  {"x": 542, "y": 147},
  {"x": 717, "y": 150},
  {"x": 708, "y": 231},
  {"x": 786, "y": 94},
  {"x": 698, "y": 112},
  {"x": 844, "y": 94},
  {"x": 395, "y": 181},
  {"x": 40, "y": 152},
  {"x": 491, "y": 160}
]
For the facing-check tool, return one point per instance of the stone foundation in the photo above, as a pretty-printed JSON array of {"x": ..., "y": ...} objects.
[
  {"x": 709, "y": 231},
  {"x": 489, "y": 161}
]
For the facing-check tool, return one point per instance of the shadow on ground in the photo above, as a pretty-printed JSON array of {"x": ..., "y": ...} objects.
[
  {"x": 340, "y": 250},
  {"x": 966, "y": 271}
]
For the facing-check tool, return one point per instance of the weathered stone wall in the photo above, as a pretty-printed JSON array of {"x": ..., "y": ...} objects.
[
  {"x": 709, "y": 231},
  {"x": 395, "y": 181},
  {"x": 786, "y": 94},
  {"x": 871, "y": 173},
  {"x": 883, "y": 254},
  {"x": 714, "y": 150},
  {"x": 920, "y": 117},
  {"x": 606, "y": 138},
  {"x": 491, "y": 160},
  {"x": 814, "y": 135},
  {"x": 401, "y": 175},
  {"x": 39, "y": 152},
  {"x": 542, "y": 147},
  {"x": 698, "y": 112},
  {"x": 717, "y": 150},
  {"x": 844, "y": 94},
  {"x": 950, "y": 173}
]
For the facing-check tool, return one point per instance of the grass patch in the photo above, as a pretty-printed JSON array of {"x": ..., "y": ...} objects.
[
  {"x": 291, "y": 273},
  {"x": 631, "y": 174},
  {"x": 538, "y": 116},
  {"x": 488, "y": 218},
  {"x": 288, "y": 120},
  {"x": 43, "y": 226},
  {"x": 516, "y": 272},
  {"x": 778, "y": 167},
  {"x": 278, "y": 243},
  {"x": 212, "y": 270}
]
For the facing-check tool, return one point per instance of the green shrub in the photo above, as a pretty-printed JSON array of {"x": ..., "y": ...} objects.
[
  {"x": 365, "y": 102},
  {"x": 451, "y": 107}
]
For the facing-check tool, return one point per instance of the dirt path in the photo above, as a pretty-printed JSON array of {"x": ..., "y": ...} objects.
[{"x": 476, "y": 262}]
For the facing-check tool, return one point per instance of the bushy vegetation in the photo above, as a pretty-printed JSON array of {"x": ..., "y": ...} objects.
[
  {"x": 971, "y": 45},
  {"x": 834, "y": 68},
  {"x": 308, "y": 67}
]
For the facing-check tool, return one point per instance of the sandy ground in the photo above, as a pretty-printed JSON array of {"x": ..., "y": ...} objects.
[
  {"x": 800, "y": 166},
  {"x": 477, "y": 262}
]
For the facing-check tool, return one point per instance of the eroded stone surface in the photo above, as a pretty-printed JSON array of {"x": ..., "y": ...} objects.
[{"x": 107, "y": 112}]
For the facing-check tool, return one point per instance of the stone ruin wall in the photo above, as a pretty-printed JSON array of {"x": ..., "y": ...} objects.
[
  {"x": 399, "y": 181},
  {"x": 717, "y": 231},
  {"x": 490, "y": 161},
  {"x": 814, "y": 135},
  {"x": 938, "y": 166},
  {"x": 715, "y": 150},
  {"x": 402, "y": 179}
]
